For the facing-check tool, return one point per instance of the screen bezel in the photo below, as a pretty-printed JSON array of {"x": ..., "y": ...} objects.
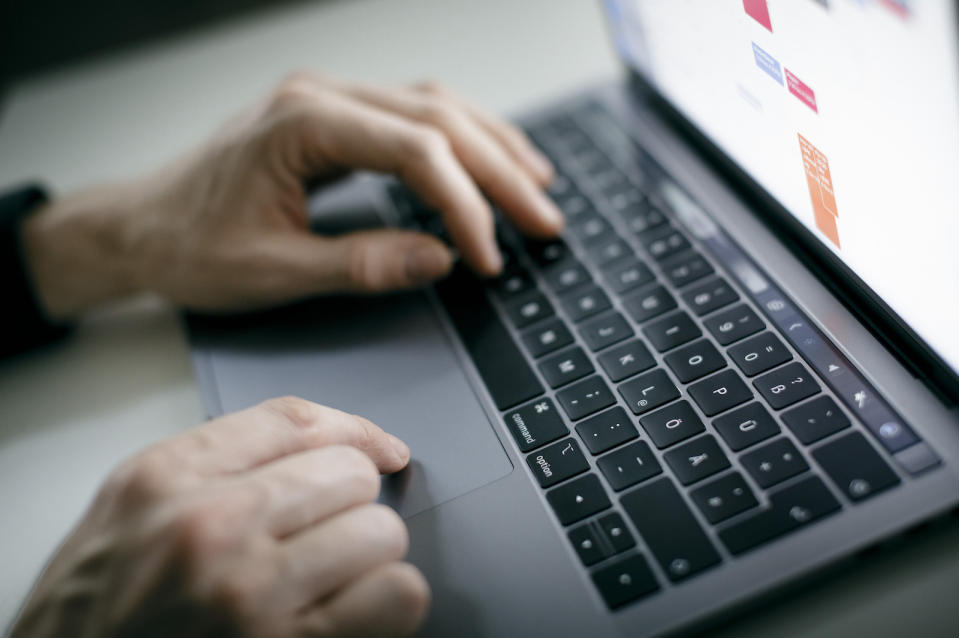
[{"x": 868, "y": 307}]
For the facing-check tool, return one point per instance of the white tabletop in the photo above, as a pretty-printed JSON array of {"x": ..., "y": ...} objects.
[{"x": 70, "y": 413}]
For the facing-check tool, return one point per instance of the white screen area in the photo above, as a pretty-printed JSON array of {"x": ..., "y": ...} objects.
[{"x": 846, "y": 111}]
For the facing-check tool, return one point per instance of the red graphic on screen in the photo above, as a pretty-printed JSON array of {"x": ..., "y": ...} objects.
[
  {"x": 799, "y": 88},
  {"x": 819, "y": 180},
  {"x": 758, "y": 10}
]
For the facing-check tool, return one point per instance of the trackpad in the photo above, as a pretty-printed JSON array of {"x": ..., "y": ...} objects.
[{"x": 385, "y": 358}]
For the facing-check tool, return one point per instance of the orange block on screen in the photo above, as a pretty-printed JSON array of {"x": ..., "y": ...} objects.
[{"x": 819, "y": 180}]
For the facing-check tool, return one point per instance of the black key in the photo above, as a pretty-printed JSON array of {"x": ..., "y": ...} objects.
[
  {"x": 642, "y": 217},
  {"x": 734, "y": 324},
  {"x": 592, "y": 229},
  {"x": 589, "y": 302},
  {"x": 674, "y": 423},
  {"x": 696, "y": 459},
  {"x": 615, "y": 532},
  {"x": 670, "y": 530},
  {"x": 815, "y": 420},
  {"x": 648, "y": 391},
  {"x": 629, "y": 465},
  {"x": 695, "y": 360},
  {"x": 628, "y": 275},
  {"x": 586, "y": 543},
  {"x": 623, "y": 202},
  {"x": 585, "y": 397},
  {"x": 663, "y": 243},
  {"x": 671, "y": 331},
  {"x": 567, "y": 275},
  {"x": 535, "y": 424},
  {"x": 610, "y": 251},
  {"x": 712, "y": 294},
  {"x": 746, "y": 426},
  {"x": 513, "y": 283},
  {"x": 649, "y": 303},
  {"x": 547, "y": 337},
  {"x": 578, "y": 499},
  {"x": 497, "y": 358},
  {"x": 606, "y": 430},
  {"x": 855, "y": 467},
  {"x": 604, "y": 331},
  {"x": 720, "y": 392},
  {"x": 758, "y": 354},
  {"x": 791, "y": 508},
  {"x": 774, "y": 462},
  {"x": 565, "y": 366},
  {"x": 786, "y": 385},
  {"x": 686, "y": 268},
  {"x": 557, "y": 462},
  {"x": 626, "y": 360},
  {"x": 547, "y": 253},
  {"x": 625, "y": 581},
  {"x": 529, "y": 309},
  {"x": 723, "y": 498}
]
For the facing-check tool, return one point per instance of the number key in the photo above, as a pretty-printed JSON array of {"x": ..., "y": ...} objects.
[{"x": 760, "y": 353}]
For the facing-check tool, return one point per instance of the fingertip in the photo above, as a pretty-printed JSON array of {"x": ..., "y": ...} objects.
[
  {"x": 542, "y": 168},
  {"x": 401, "y": 449},
  {"x": 428, "y": 262}
]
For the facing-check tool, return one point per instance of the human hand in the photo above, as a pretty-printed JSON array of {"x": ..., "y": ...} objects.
[
  {"x": 226, "y": 226},
  {"x": 259, "y": 523}
]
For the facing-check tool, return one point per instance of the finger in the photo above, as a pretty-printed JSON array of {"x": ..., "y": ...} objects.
[
  {"x": 495, "y": 169},
  {"x": 511, "y": 137},
  {"x": 278, "y": 428},
  {"x": 324, "y": 128},
  {"x": 322, "y": 559},
  {"x": 388, "y": 602}
]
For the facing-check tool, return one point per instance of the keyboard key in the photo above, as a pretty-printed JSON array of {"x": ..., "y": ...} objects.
[
  {"x": 626, "y": 360},
  {"x": 585, "y": 397},
  {"x": 625, "y": 581},
  {"x": 616, "y": 533},
  {"x": 791, "y": 508},
  {"x": 917, "y": 458},
  {"x": 734, "y": 324},
  {"x": 786, "y": 385},
  {"x": 695, "y": 360},
  {"x": 724, "y": 497},
  {"x": 642, "y": 216},
  {"x": 606, "y": 430},
  {"x": 587, "y": 303},
  {"x": 671, "y": 331},
  {"x": 648, "y": 391},
  {"x": 578, "y": 499},
  {"x": 586, "y": 543},
  {"x": 676, "y": 422},
  {"x": 535, "y": 424},
  {"x": 758, "y": 354},
  {"x": 528, "y": 310},
  {"x": 774, "y": 462},
  {"x": 547, "y": 337},
  {"x": 592, "y": 229},
  {"x": 720, "y": 392},
  {"x": 695, "y": 460},
  {"x": 629, "y": 465},
  {"x": 746, "y": 426},
  {"x": 566, "y": 276},
  {"x": 712, "y": 294},
  {"x": 670, "y": 530},
  {"x": 628, "y": 275},
  {"x": 604, "y": 331},
  {"x": 855, "y": 467},
  {"x": 557, "y": 462},
  {"x": 574, "y": 204},
  {"x": 609, "y": 251},
  {"x": 649, "y": 303},
  {"x": 686, "y": 268},
  {"x": 565, "y": 366},
  {"x": 548, "y": 252},
  {"x": 663, "y": 243},
  {"x": 513, "y": 283},
  {"x": 815, "y": 420}
]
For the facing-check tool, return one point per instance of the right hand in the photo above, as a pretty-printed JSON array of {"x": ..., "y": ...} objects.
[{"x": 259, "y": 523}]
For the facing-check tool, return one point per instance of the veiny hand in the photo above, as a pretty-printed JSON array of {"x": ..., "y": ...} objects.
[
  {"x": 259, "y": 523},
  {"x": 226, "y": 226}
]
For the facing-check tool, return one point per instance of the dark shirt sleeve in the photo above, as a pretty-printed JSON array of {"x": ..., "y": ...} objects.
[{"x": 24, "y": 324}]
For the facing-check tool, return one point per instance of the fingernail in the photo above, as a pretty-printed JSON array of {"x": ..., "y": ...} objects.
[
  {"x": 427, "y": 263},
  {"x": 400, "y": 448}
]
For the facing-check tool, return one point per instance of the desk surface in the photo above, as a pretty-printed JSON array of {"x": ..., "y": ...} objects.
[{"x": 71, "y": 413}]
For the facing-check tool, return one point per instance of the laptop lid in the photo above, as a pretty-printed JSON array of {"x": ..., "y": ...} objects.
[{"x": 840, "y": 118}]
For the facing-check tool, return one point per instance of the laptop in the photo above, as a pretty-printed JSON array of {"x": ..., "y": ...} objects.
[{"x": 739, "y": 365}]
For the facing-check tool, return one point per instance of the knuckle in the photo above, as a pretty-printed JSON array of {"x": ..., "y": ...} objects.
[
  {"x": 432, "y": 87},
  {"x": 439, "y": 112},
  {"x": 298, "y": 412},
  {"x": 363, "y": 272},
  {"x": 141, "y": 478},
  {"x": 389, "y": 528},
  {"x": 358, "y": 470},
  {"x": 427, "y": 144}
]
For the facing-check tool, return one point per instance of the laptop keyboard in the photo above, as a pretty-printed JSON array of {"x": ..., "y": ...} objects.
[{"x": 670, "y": 413}]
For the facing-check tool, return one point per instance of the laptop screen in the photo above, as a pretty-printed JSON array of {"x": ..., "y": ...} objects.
[{"x": 845, "y": 111}]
